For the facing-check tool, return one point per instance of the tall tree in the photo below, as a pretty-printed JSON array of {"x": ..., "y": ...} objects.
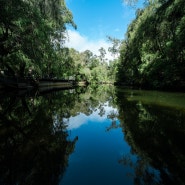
[
  {"x": 115, "y": 49},
  {"x": 30, "y": 34},
  {"x": 102, "y": 54}
]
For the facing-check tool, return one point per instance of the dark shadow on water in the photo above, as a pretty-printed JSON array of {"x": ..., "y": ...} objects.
[
  {"x": 156, "y": 135},
  {"x": 34, "y": 145}
]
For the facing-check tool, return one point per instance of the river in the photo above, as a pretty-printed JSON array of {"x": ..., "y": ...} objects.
[{"x": 92, "y": 135}]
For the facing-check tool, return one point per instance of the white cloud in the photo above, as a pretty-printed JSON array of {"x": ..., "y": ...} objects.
[{"x": 82, "y": 43}]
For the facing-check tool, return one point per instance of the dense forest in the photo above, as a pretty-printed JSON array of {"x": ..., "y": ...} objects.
[
  {"x": 32, "y": 43},
  {"x": 153, "y": 53},
  {"x": 33, "y": 35}
]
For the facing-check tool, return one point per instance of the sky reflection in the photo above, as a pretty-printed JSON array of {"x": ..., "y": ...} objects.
[
  {"x": 97, "y": 151},
  {"x": 81, "y": 119}
]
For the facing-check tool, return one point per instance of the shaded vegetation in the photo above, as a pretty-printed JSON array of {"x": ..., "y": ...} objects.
[
  {"x": 31, "y": 37},
  {"x": 153, "y": 53}
]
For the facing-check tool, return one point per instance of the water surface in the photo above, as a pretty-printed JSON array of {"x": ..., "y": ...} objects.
[{"x": 95, "y": 136}]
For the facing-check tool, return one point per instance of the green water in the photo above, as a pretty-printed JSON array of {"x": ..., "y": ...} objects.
[{"x": 94, "y": 135}]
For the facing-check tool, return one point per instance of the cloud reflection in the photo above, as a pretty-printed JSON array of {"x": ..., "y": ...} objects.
[{"x": 81, "y": 119}]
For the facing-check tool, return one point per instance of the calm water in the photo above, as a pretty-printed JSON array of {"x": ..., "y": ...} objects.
[{"x": 94, "y": 136}]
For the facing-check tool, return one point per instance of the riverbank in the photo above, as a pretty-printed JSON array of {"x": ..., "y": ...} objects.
[{"x": 29, "y": 83}]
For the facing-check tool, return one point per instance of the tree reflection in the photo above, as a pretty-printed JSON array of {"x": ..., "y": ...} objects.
[
  {"x": 32, "y": 150},
  {"x": 113, "y": 116},
  {"x": 93, "y": 99},
  {"x": 34, "y": 141},
  {"x": 157, "y": 135}
]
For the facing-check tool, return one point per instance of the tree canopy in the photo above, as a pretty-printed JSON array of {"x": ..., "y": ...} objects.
[
  {"x": 153, "y": 53},
  {"x": 31, "y": 35}
]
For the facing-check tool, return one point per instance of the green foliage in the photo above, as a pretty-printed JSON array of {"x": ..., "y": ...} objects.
[
  {"x": 152, "y": 55},
  {"x": 91, "y": 68},
  {"x": 115, "y": 49},
  {"x": 31, "y": 34}
]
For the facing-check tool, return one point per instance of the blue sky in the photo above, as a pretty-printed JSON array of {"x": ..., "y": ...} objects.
[{"x": 97, "y": 19}]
